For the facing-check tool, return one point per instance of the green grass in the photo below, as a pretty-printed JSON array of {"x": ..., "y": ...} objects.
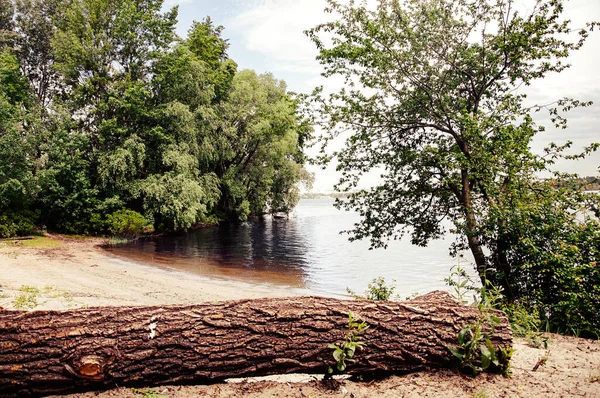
[
  {"x": 39, "y": 242},
  {"x": 28, "y": 298}
]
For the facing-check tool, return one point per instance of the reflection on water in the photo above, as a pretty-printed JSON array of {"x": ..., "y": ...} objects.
[{"x": 305, "y": 250}]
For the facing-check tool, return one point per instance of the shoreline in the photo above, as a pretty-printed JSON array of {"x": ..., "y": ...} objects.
[
  {"x": 61, "y": 273},
  {"x": 57, "y": 273}
]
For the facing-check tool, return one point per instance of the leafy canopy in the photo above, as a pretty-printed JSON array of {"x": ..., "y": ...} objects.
[
  {"x": 110, "y": 122},
  {"x": 432, "y": 101}
]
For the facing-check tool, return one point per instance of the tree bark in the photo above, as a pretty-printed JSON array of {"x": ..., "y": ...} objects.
[
  {"x": 49, "y": 352},
  {"x": 471, "y": 224}
]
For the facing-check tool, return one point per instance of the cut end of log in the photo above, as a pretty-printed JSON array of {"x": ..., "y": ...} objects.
[{"x": 90, "y": 368}]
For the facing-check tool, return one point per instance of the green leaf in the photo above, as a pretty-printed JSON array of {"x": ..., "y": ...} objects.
[
  {"x": 457, "y": 353},
  {"x": 462, "y": 336},
  {"x": 486, "y": 356},
  {"x": 338, "y": 355}
]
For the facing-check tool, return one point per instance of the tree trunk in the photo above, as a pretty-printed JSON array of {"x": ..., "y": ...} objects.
[
  {"x": 46, "y": 352},
  {"x": 471, "y": 230}
]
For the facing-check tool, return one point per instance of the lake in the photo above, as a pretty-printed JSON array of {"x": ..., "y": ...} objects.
[{"x": 304, "y": 251}]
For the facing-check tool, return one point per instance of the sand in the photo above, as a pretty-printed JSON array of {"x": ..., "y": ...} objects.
[
  {"x": 74, "y": 273},
  {"x": 62, "y": 273}
]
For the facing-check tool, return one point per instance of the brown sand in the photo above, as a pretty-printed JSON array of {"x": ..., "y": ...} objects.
[{"x": 75, "y": 273}]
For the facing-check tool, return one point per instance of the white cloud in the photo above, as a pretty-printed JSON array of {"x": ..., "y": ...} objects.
[
  {"x": 275, "y": 28},
  {"x": 172, "y": 3}
]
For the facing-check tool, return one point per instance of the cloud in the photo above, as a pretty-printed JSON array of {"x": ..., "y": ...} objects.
[
  {"x": 172, "y": 3},
  {"x": 275, "y": 28}
]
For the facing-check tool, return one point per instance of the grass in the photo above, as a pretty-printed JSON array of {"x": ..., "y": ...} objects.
[
  {"x": 29, "y": 296},
  {"x": 39, "y": 242},
  {"x": 54, "y": 292},
  {"x": 80, "y": 237},
  {"x": 118, "y": 241},
  {"x": 480, "y": 393}
]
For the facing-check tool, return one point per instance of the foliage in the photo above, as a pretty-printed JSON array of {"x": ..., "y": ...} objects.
[
  {"x": 29, "y": 296},
  {"x": 552, "y": 252},
  {"x": 377, "y": 290},
  {"x": 100, "y": 121},
  {"x": 461, "y": 284},
  {"x": 525, "y": 323},
  {"x": 475, "y": 350},
  {"x": 431, "y": 101},
  {"x": 344, "y": 353},
  {"x": 127, "y": 222},
  {"x": 17, "y": 224}
]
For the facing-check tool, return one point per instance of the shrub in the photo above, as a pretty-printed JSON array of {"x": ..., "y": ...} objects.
[
  {"x": 17, "y": 224},
  {"x": 546, "y": 258},
  {"x": 128, "y": 223}
]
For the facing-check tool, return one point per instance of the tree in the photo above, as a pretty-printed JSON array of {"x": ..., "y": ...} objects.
[
  {"x": 108, "y": 119},
  {"x": 6, "y": 24},
  {"x": 34, "y": 29},
  {"x": 431, "y": 98},
  {"x": 16, "y": 165},
  {"x": 205, "y": 41},
  {"x": 257, "y": 139},
  {"x": 548, "y": 243}
]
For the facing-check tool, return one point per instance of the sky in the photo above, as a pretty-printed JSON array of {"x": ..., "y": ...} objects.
[{"x": 267, "y": 36}]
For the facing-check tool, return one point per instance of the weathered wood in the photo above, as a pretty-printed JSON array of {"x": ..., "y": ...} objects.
[{"x": 46, "y": 352}]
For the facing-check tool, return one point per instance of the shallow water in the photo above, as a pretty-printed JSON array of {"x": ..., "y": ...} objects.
[{"x": 303, "y": 251}]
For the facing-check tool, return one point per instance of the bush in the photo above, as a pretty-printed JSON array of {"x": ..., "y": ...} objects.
[
  {"x": 547, "y": 260},
  {"x": 128, "y": 223},
  {"x": 17, "y": 224}
]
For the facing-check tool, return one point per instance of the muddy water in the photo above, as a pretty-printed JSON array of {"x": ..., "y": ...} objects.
[{"x": 303, "y": 251}]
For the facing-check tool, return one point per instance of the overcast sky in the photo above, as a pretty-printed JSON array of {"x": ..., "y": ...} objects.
[{"x": 266, "y": 35}]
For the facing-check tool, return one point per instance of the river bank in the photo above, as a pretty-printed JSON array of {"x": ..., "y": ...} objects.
[{"x": 61, "y": 273}]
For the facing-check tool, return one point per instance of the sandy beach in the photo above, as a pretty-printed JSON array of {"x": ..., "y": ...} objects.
[
  {"x": 74, "y": 273},
  {"x": 63, "y": 273}
]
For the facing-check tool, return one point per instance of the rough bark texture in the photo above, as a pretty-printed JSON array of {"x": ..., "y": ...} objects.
[{"x": 46, "y": 352}]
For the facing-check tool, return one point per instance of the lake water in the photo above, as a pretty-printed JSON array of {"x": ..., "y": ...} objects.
[{"x": 303, "y": 251}]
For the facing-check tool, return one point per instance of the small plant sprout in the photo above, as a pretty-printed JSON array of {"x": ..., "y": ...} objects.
[
  {"x": 377, "y": 290},
  {"x": 148, "y": 393},
  {"x": 344, "y": 353},
  {"x": 475, "y": 350}
]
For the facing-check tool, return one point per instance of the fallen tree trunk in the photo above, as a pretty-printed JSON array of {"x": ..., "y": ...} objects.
[{"x": 46, "y": 352}]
